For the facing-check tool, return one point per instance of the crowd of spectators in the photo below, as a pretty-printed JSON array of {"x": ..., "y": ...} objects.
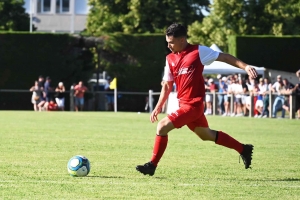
[
  {"x": 45, "y": 97},
  {"x": 239, "y": 90}
]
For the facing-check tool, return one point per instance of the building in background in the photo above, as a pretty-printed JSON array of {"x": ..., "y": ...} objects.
[{"x": 58, "y": 16}]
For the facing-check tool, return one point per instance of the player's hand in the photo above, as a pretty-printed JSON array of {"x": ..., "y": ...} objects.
[
  {"x": 251, "y": 71},
  {"x": 153, "y": 116}
]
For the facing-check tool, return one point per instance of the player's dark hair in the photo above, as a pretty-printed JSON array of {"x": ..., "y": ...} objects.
[{"x": 176, "y": 30}]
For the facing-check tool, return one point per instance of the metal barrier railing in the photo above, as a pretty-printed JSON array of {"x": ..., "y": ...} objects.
[{"x": 292, "y": 103}]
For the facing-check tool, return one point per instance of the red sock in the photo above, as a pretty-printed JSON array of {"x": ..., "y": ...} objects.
[
  {"x": 227, "y": 141},
  {"x": 160, "y": 146}
]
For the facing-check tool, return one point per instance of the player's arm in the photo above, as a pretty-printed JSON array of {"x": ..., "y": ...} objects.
[
  {"x": 167, "y": 87},
  {"x": 229, "y": 59}
]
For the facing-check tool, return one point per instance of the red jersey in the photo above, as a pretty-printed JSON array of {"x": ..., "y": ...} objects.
[
  {"x": 187, "y": 69},
  {"x": 81, "y": 90}
]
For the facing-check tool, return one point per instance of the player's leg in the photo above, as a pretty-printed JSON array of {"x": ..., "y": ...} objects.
[
  {"x": 201, "y": 129},
  {"x": 223, "y": 139},
  {"x": 160, "y": 144}
]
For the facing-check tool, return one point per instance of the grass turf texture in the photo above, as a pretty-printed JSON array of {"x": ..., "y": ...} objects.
[{"x": 35, "y": 149}]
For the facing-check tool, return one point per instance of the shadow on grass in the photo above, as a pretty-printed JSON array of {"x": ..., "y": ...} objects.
[
  {"x": 106, "y": 177},
  {"x": 284, "y": 179}
]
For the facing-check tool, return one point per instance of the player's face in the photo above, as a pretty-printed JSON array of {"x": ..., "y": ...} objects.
[{"x": 175, "y": 44}]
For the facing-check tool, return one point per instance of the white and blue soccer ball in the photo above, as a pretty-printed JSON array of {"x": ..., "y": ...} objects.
[{"x": 79, "y": 166}]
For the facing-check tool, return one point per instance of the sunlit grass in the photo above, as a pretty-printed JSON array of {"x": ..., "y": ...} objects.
[{"x": 35, "y": 149}]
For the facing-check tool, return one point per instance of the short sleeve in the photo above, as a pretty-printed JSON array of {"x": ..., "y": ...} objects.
[
  {"x": 207, "y": 55},
  {"x": 168, "y": 76}
]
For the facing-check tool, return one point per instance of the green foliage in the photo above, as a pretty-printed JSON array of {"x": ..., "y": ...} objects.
[
  {"x": 239, "y": 17},
  {"x": 137, "y": 60},
  {"x": 25, "y": 56},
  {"x": 13, "y": 16},
  {"x": 273, "y": 52},
  {"x": 35, "y": 149},
  {"x": 147, "y": 16}
]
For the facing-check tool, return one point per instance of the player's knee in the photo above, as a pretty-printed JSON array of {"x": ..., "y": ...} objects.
[{"x": 163, "y": 127}]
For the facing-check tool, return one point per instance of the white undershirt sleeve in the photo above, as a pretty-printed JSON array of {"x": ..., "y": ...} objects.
[
  {"x": 207, "y": 55},
  {"x": 168, "y": 76}
]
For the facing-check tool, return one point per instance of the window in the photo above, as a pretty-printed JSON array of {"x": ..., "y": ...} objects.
[
  {"x": 62, "y": 6},
  {"x": 43, "y": 6}
]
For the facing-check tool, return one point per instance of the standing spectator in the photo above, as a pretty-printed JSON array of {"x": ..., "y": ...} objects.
[
  {"x": 226, "y": 97},
  {"x": 36, "y": 95},
  {"x": 279, "y": 100},
  {"x": 209, "y": 97},
  {"x": 47, "y": 92},
  {"x": 287, "y": 91},
  {"x": 297, "y": 92},
  {"x": 238, "y": 91},
  {"x": 41, "y": 81},
  {"x": 60, "y": 96},
  {"x": 79, "y": 89},
  {"x": 244, "y": 96},
  {"x": 259, "y": 105},
  {"x": 231, "y": 96},
  {"x": 221, "y": 107},
  {"x": 266, "y": 97}
]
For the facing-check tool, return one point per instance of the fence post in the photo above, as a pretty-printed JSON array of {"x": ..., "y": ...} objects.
[
  {"x": 251, "y": 105},
  {"x": 72, "y": 108},
  {"x": 292, "y": 106},
  {"x": 270, "y": 103},
  {"x": 231, "y": 104},
  {"x": 150, "y": 101},
  {"x": 214, "y": 102}
]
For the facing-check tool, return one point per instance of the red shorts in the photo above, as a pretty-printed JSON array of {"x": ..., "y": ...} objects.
[{"x": 189, "y": 115}]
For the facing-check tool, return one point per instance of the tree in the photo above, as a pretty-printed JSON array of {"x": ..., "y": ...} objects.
[
  {"x": 142, "y": 16},
  {"x": 13, "y": 16},
  {"x": 246, "y": 17}
]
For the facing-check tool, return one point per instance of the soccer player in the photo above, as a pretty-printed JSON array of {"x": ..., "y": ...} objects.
[{"x": 184, "y": 66}]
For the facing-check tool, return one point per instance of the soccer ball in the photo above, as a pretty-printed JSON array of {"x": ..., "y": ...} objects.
[{"x": 79, "y": 166}]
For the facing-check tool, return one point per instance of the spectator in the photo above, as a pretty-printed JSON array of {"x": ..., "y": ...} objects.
[
  {"x": 287, "y": 91},
  {"x": 238, "y": 92},
  {"x": 109, "y": 96},
  {"x": 244, "y": 96},
  {"x": 279, "y": 100},
  {"x": 265, "y": 92},
  {"x": 251, "y": 87},
  {"x": 222, "y": 84},
  {"x": 47, "y": 92},
  {"x": 259, "y": 105},
  {"x": 209, "y": 97},
  {"x": 226, "y": 97},
  {"x": 36, "y": 95},
  {"x": 79, "y": 89},
  {"x": 297, "y": 92},
  {"x": 231, "y": 91},
  {"x": 60, "y": 96},
  {"x": 41, "y": 81},
  {"x": 52, "y": 106}
]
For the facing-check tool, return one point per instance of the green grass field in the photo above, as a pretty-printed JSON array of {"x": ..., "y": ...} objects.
[{"x": 35, "y": 149}]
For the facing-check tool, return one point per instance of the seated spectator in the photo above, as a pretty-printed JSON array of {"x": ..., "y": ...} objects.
[{"x": 52, "y": 106}]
